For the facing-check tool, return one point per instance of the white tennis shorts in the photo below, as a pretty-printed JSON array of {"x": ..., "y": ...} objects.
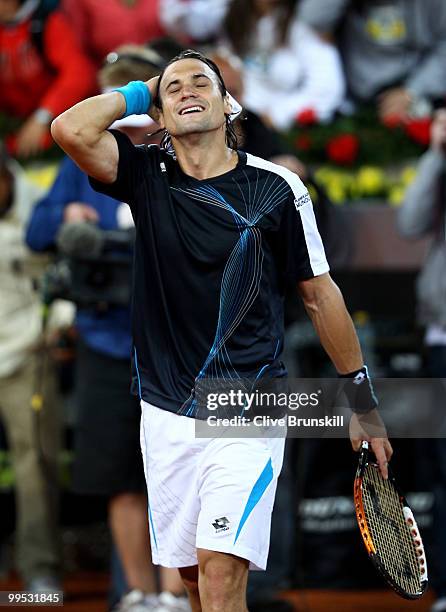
[{"x": 211, "y": 493}]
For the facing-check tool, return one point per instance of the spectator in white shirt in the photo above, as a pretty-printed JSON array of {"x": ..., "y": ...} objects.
[
  {"x": 288, "y": 67},
  {"x": 196, "y": 20}
]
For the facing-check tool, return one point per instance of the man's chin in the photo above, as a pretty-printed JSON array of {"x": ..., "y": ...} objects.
[
  {"x": 191, "y": 128},
  {"x": 194, "y": 125}
]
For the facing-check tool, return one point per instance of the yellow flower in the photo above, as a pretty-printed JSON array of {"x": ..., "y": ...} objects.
[
  {"x": 370, "y": 180},
  {"x": 336, "y": 192},
  {"x": 408, "y": 175},
  {"x": 313, "y": 193},
  {"x": 396, "y": 195},
  {"x": 323, "y": 174},
  {"x": 355, "y": 190}
]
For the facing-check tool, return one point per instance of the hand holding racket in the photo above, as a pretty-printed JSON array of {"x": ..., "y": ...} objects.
[
  {"x": 369, "y": 427},
  {"x": 366, "y": 423},
  {"x": 388, "y": 528}
]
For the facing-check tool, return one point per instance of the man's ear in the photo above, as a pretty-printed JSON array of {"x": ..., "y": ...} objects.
[
  {"x": 227, "y": 105},
  {"x": 160, "y": 120},
  {"x": 156, "y": 115}
]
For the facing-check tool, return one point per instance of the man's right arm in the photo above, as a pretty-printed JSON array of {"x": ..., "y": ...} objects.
[{"x": 81, "y": 131}]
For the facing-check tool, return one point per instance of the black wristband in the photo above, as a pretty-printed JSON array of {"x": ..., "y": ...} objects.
[{"x": 358, "y": 389}]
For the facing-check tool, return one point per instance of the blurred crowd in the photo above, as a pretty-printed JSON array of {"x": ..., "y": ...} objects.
[
  {"x": 289, "y": 63},
  {"x": 299, "y": 61}
]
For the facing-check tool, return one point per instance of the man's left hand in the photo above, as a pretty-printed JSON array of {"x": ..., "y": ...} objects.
[
  {"x": 369, "y": 427},
  {"x": 152, "y": 85}
]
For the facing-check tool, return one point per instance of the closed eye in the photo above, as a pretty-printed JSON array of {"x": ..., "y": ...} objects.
[{"x": 202, "y": 81}]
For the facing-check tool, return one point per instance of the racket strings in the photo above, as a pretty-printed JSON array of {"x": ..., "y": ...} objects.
[{"x": 390, "y": 534}]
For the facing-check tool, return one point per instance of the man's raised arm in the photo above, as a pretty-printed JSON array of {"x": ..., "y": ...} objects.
[{"x": 81, "y": 130}]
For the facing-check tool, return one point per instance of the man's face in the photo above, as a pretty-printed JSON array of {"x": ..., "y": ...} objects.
[
  {"x": 8, "y": 9},
  {"x": 191, "y": 99}
]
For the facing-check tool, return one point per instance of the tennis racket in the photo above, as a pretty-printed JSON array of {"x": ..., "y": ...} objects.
[{"x": 388, "y": 529}]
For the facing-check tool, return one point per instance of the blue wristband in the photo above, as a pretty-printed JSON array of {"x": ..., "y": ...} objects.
[{"x": 137, "y": 98}]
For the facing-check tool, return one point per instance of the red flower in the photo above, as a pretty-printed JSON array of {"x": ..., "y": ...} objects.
[
  {"x": 343, "y": 149},
  {"x": 306, "y": 116},
  {"x": 391, "y": 121},
  {"x": 11, "y": 144},
  {"x": 419, "y": 130},
  {"x": 303, "y": 142}
]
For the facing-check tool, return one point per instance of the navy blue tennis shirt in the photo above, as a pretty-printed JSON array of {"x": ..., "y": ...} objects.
[{"x": 212, "y": 259}]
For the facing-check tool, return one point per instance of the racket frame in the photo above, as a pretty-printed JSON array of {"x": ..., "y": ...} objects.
[{"x": 367, "y": 536}]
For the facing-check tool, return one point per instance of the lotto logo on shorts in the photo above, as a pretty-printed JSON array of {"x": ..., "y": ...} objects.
[
  {"x": 302, "y": 200},
  {"x": 221, "y": 524}
]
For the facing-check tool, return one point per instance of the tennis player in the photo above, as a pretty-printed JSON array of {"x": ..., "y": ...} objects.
[{"x": 219, "y": 234}]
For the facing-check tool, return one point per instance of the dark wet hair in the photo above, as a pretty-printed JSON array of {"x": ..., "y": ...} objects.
[{"x": 231, "y": 136}]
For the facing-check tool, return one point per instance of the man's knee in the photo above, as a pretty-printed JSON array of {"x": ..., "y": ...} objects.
[{"x": 223, "y": 578}]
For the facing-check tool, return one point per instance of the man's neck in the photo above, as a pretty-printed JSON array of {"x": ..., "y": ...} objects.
[{"x": 204, "y": 156}]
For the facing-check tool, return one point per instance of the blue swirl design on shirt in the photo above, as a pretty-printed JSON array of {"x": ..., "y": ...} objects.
[{"x": 242, "y": 272}]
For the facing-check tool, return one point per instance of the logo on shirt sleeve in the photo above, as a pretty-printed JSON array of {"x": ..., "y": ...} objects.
[{"x": 302, "y": 200}]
